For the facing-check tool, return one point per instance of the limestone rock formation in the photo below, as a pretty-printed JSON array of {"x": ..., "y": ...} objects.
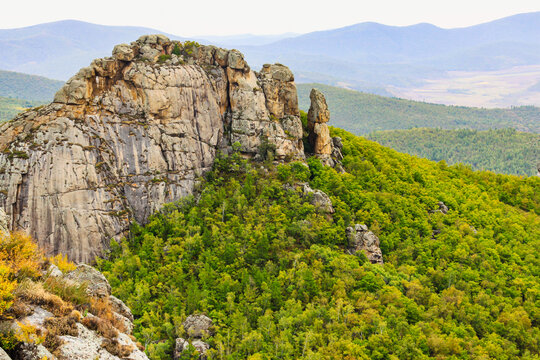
[
  {"x": 361, "y": 239},
  {"x": 134, "y": 131},
  {"x": 318, "y": 116}
]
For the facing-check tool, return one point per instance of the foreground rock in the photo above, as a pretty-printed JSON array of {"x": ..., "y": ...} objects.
[
  {"x": 134, "y": 131},
  {"x": 103, "y": 332},
  {"x": 361, "y": 239}
]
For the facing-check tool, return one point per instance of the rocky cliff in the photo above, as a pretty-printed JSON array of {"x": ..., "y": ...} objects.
[{"x": 134, "y": 131}]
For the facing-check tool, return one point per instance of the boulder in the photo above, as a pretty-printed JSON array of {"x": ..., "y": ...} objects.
[
  {"x": 182, "y": 346},
  {"x": 123, "y": 52},
  {"x": 443, "y": 209},
  {"x": 97, "y": 284},
  {"x": 361, "y": 239},
  {"x": 54, "y": 271},
  {"x": 319, "y": 199},
  {"x": 196, "y": 326}
]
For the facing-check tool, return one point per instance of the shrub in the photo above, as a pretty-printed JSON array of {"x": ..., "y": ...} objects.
[
  {"x": 102, "y": 308},
  {"x": 103, "y": 327},
  {"x": 29, "y": 334},
  {"x": 117, "y": 349},
  {"x": 164, "y": 57},
  {"x": 63, "y": 263},
  {"x": 21, "y": 255},
  {"x": 70, "y": 292}
]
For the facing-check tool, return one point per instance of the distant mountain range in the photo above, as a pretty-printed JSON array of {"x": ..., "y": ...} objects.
[
  {"x": 363, "y": 113},
  {"x": 421, "y": 62}
]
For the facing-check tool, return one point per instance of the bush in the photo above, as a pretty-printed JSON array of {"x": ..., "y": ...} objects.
[{"x": 62, "y": 262}]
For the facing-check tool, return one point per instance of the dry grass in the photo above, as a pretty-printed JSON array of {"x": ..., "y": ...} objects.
[
  {"x": 102, "y": 308},
  {"x": 19, "y": 310},
  {"x": 102, "y": 326},
  {"x": 34, "y": 293},
  {"x": 116, "y": 349}
]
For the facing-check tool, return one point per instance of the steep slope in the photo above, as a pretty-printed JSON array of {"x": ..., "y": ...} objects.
[
  {"x": 28, "y": 87},
  {"x": 363, "y": 113},
  {"x": 504, "y": 151},
  {"x": 276, "y": 275},
  {"x": 132, "y": 132}
]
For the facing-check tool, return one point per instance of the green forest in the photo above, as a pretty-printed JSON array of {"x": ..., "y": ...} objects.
[
  {"x": 28, "y": 87},
  {"x": 362, "y": 113},
  {"x": 9, "y": 108},
  {"x": 273, "y": 272},
  {"x": 504, "y": 150}
]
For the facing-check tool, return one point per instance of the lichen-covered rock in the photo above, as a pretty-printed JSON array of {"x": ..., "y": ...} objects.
[
  {"x": 54, "y": 271},
  {"x": 198, "y": 325},
  {"x": 319, "y": 199},
  {"x": 361, "y": 239},
  {"x": 132, "y": 132},
  {"x": 121, "y": 308},
  {"x": 97, "y": 284}
]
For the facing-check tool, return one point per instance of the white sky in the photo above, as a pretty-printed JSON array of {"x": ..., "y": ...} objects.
[{"x": 227, "y": 17}]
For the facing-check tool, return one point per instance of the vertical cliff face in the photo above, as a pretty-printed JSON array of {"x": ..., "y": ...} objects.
[{"x": 134, "y": 131}]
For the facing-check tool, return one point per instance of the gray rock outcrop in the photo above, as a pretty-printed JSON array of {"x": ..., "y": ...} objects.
[
  {"x": 4, "y": 226},
  {"x": 97, "y": 284},
  {"x": 361, "y": 239},
  {"x": 134, "y": 131},
  {"x": 197, "y": 326},
  {"x": 318, "y": 116}
]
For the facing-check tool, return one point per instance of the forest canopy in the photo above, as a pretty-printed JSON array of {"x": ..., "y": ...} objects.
[{"x": 273, "y": 272}]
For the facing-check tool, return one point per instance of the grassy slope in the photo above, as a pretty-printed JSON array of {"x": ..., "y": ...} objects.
[
  {"x": 504, "y": 150},
  {"x": 363, "y": 113}
]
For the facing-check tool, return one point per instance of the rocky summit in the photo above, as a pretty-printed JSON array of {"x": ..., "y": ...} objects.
[{"x": 136, "y": 130}]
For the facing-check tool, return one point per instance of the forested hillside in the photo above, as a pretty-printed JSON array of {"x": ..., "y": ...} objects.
[
  {"x": 11, "y": 107},
  {"x": 28, "y": 87},
  {"x": 504, "y": 151},
  {"x": 362, "y": 113},
  {"x": 274, "y": 274}
]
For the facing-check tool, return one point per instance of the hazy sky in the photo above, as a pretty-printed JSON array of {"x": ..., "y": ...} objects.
[{"x": 226, "y": 17}]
